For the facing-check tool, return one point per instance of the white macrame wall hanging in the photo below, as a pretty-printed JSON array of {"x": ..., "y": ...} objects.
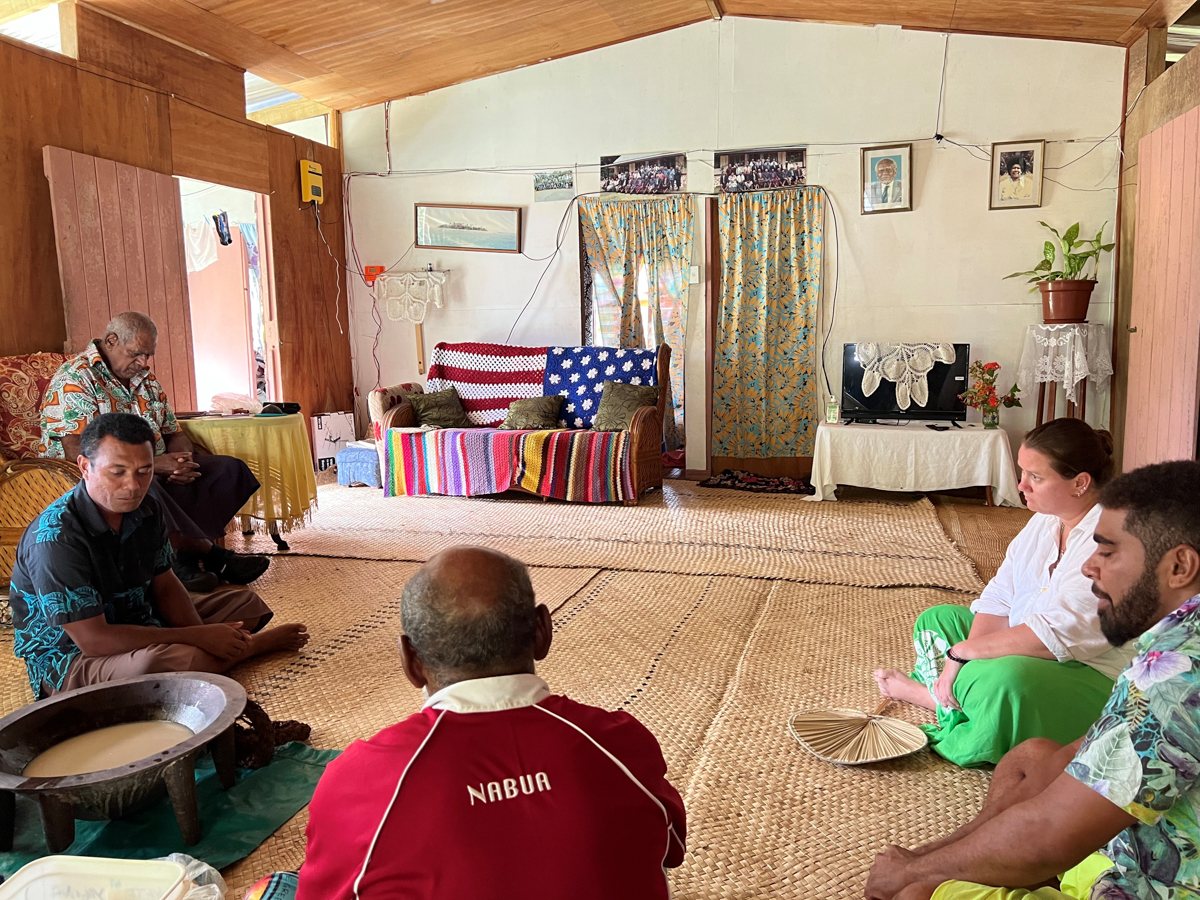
[{"x": 406, "y": 297}]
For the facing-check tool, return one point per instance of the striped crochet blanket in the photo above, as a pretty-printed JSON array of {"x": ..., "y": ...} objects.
[
  {"x": 488, "y": 377},
  {"x": 583, "y": 466}
]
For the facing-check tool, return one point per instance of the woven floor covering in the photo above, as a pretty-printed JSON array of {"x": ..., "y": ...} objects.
[
  {"x": 683, "y": 529},
  {"x": 713, "y": 664}
]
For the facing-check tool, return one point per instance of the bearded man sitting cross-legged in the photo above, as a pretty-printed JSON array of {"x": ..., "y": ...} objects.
[{"x": 1130, "y": 787}]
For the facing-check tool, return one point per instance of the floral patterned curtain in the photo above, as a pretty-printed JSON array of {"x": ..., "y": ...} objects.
[
  {"x": 639, "y": 252},
  {"x": 765, "y": 393}
]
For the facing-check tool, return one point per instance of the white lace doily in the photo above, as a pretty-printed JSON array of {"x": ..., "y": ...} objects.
[
  {"x": 1066, "y": 354},
  {"x": 406, "y": 295},
  {"x": 905, "y": 364}
]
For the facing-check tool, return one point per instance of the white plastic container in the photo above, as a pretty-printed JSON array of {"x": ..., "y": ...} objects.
[{"x": 53, "y": 877}]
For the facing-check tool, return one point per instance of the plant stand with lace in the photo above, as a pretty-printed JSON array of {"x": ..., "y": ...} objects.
[{"x": 1066, "y": 355}]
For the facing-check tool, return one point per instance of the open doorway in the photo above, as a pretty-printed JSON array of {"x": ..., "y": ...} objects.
[{"x": 228, "y": 286}]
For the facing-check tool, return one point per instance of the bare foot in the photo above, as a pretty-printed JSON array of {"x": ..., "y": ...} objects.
[
  {"x": 282, "y": 637},
  {"x": 895, "y": 684}
]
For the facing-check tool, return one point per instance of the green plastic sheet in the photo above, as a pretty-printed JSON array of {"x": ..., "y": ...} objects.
[{"x": 233, "y": 823}]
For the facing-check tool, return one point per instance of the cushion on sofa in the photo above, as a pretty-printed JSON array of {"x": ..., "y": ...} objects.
[
  {"x": 440, "y": 409},
  {"x": 534, "y": 414},
  {"x": 619, "y": 402}
]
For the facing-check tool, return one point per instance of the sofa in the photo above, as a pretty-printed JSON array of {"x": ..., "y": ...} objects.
[
  {"x": 573, "y": 463},
  {"x": 28, "y": 483}
]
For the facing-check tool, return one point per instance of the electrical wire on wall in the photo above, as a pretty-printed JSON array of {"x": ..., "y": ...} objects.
[{"x": 837, "y": 246}]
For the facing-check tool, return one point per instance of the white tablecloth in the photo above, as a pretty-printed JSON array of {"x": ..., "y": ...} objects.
[{"x": 913, "y": 458}]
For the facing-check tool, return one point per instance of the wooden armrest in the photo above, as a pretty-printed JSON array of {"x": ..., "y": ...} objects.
[
  {"x": 645, "y": 454},
  {"x": 402, "y": 415}
]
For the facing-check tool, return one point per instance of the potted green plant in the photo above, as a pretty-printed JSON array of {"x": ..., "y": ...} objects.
[
  {"x": 982, "y": 394},
  {"x": 1067, "y": 291}
]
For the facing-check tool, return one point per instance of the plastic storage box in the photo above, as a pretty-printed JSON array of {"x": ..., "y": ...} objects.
[{"x": 91, "y": 877}]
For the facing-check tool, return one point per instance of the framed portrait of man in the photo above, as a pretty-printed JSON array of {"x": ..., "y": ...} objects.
[
  {"x": 1017, "y": 175},
  {"x": 887, "y": 182}
]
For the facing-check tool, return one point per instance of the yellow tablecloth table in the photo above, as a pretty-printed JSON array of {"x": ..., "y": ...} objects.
[{"x": 277, "y": 452}]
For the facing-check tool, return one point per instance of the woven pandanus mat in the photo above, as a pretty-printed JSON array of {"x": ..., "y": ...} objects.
[
  {"x": 662, "y": 647},
  {"x": 982, "y": 533},
  {"x": 684, "y": 529},
  {"x": 768, "y": 819}
]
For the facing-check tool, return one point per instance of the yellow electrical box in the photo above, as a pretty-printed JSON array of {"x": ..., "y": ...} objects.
[{"x": 310, "y": 182}]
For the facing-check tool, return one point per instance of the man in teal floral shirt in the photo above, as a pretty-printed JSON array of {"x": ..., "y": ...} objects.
[{"x": 1131, "y": 787}]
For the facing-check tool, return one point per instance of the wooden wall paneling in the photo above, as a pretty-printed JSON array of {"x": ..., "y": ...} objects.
[
  {"x": 189, "y": 359},
  {"x": 213, "y": 148},
  {"x": 60, "y": 173},
  {"x": 112, "y": 232},
  {"x": 314, "y": 352},
  {"x": 170, "y": 223},
  {"x": 116, "y": 47},
  {"x": 156, "y": 282},
  {"x": 91, "y": 240},
  {"x": 137, "y": 298},
  {"x": 1164, "y": 352}
]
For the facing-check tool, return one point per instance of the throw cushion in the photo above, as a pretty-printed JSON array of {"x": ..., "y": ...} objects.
[
  {"x": 23, "y": 381},
  {"x": 535, "y": 414},
  {"x": 619, "y": 402},
  {"x": 441, "y": 409}
]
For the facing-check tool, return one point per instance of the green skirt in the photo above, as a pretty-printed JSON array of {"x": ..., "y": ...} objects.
[{"x": 1004, "y": 701}]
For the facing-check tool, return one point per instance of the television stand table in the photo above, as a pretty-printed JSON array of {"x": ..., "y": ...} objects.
[{"x": 911, "y": 457}]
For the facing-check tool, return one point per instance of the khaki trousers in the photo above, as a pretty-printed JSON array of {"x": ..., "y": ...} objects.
[{"x": 228, "y": 603}]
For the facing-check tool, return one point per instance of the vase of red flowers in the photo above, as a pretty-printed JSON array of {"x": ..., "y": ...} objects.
[{"x": 982, "y": 394}]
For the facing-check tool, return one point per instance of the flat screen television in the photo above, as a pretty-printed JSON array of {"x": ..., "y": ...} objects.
[{"x": 946, "y": 382}]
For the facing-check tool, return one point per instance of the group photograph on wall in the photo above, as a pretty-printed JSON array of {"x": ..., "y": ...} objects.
[
  {"x": 634, "y": 173},
  {"x": 887, "y": 179},
  {"x": 1017, "y": 175},
  {"x": 736, "y": 171}
]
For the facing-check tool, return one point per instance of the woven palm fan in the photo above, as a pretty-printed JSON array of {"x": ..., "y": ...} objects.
[{"x": 850, "y": 738}]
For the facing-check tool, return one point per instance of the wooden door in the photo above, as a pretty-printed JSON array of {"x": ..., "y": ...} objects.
[
  {"x": 1164, "y": 350},
  {"x": 119, "y": 234}
]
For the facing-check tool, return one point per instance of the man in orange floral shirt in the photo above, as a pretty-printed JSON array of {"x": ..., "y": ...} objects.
[{"x": 200, "y": 493}]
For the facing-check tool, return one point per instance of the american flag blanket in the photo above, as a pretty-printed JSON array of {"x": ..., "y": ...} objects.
[
  {"x": 579, "y": 373},
  {"x": 583, "y": 466},
  {"x": 488, "y": 377}
]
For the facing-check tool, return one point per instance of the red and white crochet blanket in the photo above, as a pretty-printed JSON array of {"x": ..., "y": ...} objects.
[{"x": 488, "y": 377}]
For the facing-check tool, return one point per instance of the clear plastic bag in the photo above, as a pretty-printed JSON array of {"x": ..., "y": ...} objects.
[
  {"x": 227, "y": 403},
  {"x": 207, "y": 883}
]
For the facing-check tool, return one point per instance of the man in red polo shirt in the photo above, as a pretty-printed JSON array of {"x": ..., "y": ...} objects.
[{"x": 497, "y": 788}]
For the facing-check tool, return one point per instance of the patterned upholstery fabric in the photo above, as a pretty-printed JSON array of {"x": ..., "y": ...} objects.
[
  {"x": 381, "y": 399},
  {"x": 534, "y": 414},
  {"x": 23, "y": 381},
  {"x": 441, "y": 409},
  {"x": 619, "y": 402},
  {"x": 579, "y": 373}
]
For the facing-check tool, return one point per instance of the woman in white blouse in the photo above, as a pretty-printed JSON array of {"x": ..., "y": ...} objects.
[{"x": 1027, "y": 659}]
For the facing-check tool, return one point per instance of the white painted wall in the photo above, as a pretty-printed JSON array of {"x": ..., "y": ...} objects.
[{"x": 931, "y": 274}]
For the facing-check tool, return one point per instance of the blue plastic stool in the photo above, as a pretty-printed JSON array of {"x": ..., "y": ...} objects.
[{"x": 358, "y": 465}]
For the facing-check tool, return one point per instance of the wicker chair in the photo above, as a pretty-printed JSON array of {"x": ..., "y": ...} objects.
[{"x": 28, "y": 483}]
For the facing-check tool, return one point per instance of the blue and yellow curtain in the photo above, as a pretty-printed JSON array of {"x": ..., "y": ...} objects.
[
  {"x": 765, "y": 391},
  {"x": 640, "y": 252}
]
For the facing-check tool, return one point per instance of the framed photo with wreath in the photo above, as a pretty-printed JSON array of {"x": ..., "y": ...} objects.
[
  {"x": 1017, "y": 169},
  {"x": 887, "y": 182}
]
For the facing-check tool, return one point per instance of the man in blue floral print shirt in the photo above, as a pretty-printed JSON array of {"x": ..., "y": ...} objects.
[
  {"x": 93, "y": 594},
  {"x": 1130, "y": 787}
]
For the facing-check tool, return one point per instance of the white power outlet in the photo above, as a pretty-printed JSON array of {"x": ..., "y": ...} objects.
[{"x": 694, "y": 275}]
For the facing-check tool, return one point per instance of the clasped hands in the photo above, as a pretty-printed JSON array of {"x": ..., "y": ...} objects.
[
  {"x": 178, "y": 466},
  {"x": 889, "y": 875}
]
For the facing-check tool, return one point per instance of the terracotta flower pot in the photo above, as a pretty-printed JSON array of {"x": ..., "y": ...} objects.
[{"x": 1065, "y": 301}]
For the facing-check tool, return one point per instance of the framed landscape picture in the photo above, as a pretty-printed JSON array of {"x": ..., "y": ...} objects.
[
  {"x": 1017, "y": 175},
  {"x": 495, "y": 229},
  {"x": 887, "y": 182}
]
